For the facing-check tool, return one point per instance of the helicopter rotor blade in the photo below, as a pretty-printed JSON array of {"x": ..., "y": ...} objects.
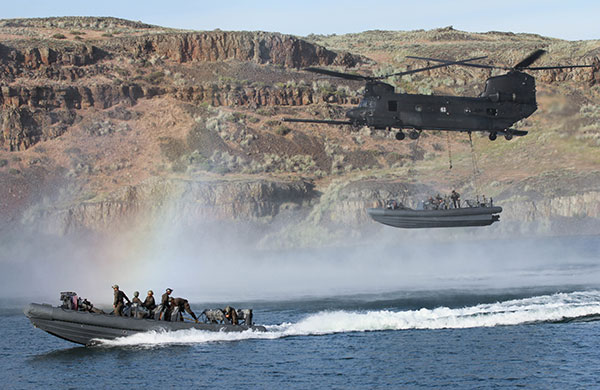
[
  {"x": 462, "y": 63},
  {"x": 347, "y": 76},
  {"x": 530, "y": 59},
  {"x": 443, "y": 64},
  {"x": 559, "y": 67}
]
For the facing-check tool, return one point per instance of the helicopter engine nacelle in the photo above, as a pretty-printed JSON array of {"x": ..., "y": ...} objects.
[{"x": 515, "y": 87}]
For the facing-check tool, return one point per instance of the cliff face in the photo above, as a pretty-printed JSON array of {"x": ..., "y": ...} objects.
[
  {"x": 31, "y": 111},
  {"x": 177, "y": 202},
  {"x": 212, "y": 46},
  {"x": 153, "y": 125}
]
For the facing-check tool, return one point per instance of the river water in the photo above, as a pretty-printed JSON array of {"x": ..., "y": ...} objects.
[
  {"x": 429, "y": 339},
  {"x": 463, "y": 335}
]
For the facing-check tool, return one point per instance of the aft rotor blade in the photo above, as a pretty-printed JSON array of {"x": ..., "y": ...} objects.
[
  {"x": 461, "y": 63},
  {"x": 347, "y": 76},
  {"x": 559, "y": 67},
  {"x": 530, "y": 59},
  {"x": 328, "y": 122}
]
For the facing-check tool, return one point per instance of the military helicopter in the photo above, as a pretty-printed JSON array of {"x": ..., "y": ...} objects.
[{"x": 505, "y": 100}]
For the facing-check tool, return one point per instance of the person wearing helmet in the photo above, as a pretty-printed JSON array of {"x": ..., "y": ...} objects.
[
  {"x": 136, "y": 298},
  {"x": 183, "y": 304},
  {"x": 166, "y": 305},
  {"x": 149, "y": 301},
  {"x": 118, "y": 303}
]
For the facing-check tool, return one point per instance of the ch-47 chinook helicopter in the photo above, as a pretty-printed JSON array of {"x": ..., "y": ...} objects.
[{"x": 505, "y": 100}]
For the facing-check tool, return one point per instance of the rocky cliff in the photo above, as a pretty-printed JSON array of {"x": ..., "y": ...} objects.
[{"x": 108, "y": 125}]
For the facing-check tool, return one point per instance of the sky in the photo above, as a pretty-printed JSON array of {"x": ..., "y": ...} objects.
[{"x": 571, "y": 20}]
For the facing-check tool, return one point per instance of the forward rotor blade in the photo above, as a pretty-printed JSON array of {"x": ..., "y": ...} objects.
[
  {"x": 328, "y": 122},
  {"x": 530, "y": 59},
  {"x": 347, "y": 76},
  {"x": 461, "y": 63},
  {"x": 443, "y": 64}
]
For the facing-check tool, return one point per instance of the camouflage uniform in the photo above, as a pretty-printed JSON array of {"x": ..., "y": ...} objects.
[
  {"x": 118, "y": 302},
  {"x": 183, "y": 304},
  {"x": 149, "y": 303},
  {"x": 166, "y": 306}
]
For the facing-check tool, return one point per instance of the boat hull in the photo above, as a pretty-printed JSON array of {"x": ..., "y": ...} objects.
[
  {"x": 415, "y": 219},
  {"x": 84, "y": 327}
]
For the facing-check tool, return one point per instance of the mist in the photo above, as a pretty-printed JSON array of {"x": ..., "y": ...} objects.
[{"x": 222, "y": 262}]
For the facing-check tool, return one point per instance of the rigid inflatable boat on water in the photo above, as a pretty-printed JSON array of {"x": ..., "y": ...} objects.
[
  {"x": 453, "y": 217},
  {"x": 85, "y": 327}
]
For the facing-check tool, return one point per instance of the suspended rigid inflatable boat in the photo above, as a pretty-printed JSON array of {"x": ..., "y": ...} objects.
[{"x": 403, "y": 217}]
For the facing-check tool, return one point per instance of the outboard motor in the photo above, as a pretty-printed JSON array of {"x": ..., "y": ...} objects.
[{"x": 69, "y": 300}]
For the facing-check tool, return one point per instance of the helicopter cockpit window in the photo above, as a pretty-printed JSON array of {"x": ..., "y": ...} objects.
[
  {"x": 418, "y": 108},
  {"x": 492, "y": 112},
  {"x": 367, "y": 103},
  {"x": 392, "y": 105}
]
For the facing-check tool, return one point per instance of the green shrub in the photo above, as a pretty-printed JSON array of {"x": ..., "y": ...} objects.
[
  {"x": 3, "y": 163},
  {"x": 282, "y": 130},
  {"x": 14, "y": 171},
  {"x": 58, "y": 36},
  {"x": 155, "y": 77}
]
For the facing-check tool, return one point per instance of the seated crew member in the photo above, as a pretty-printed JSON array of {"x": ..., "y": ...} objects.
[
  {"x": 118, "y": 303},
  {"x": 149, "y": 302},
  {"x": 183, "y": 304},
  {"x": 231, "y": 315},
  {"x": 136, "y": 298}
]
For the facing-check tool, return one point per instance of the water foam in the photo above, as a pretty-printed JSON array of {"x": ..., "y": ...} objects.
[{"x": 545, "y": 308}]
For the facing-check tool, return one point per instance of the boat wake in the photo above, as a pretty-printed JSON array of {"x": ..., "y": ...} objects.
[{"x": 560, "y": 307}]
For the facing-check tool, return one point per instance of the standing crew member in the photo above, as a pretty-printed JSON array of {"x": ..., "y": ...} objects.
[
  {"x": 164, "y": 301},
  {"x": 183, "y": 304},
  {"x": 149, "y": 301},
  {"x": 455, "y": 199},
  {"x": 118, "y": 301}
]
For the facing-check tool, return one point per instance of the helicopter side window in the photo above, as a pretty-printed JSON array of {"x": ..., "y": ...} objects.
[
  {"x": 392, "y": 105},
  {"x": 492, "y": 112}
]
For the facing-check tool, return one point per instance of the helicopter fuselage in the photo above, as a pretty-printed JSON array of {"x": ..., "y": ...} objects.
[{"x": 505, "y": 100}]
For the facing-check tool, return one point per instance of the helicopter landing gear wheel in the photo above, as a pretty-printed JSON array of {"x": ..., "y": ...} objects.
[
  {"x": 400, "y": 136},
  {"x": 414, "y": 134},
  {"x": 493, "y": 136},
  {"x": 508, "y": 137}
]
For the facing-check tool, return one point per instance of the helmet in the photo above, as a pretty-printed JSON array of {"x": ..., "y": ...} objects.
[
  {"x": 150, "y": 292},
  {"x": 169, "y": 290},
  {"x": 136, "y": 293},
  {"x": 115, "y": 286}
]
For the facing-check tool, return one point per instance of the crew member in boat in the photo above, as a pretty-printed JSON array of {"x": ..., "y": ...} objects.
[
  {"x": 149, "y": 302},
  {"x": 231, "y": 315},
  {"x": 118, "y": 303},
  {"x": 182, "y": 304},
  {"x": 455, "y": 196},
  {"x": 136, "y": 298},
  {"x": 165, "y": 301}
]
